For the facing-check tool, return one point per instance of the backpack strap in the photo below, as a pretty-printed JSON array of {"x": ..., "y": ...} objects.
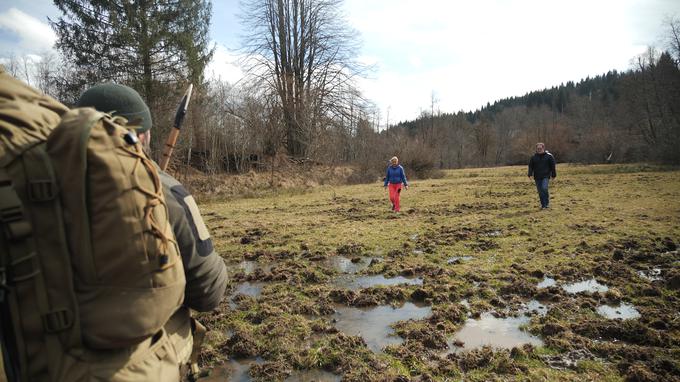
[{"x": 51, "y": 292}]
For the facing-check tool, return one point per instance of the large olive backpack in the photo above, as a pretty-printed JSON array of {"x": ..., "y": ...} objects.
[{"x": 88, "y": 260}]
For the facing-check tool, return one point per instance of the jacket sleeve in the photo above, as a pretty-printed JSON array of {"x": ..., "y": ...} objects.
[
  {"x": 387, "y": 176},
  {"x": 403, "y": 176},
  {"x": 206, "y": 273},
  {"x": 531, "y": 166},
  {"x": 553, "y": 171}
]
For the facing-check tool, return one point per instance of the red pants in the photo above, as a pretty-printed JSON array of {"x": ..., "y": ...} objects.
[{"x": 395, "y": 190}]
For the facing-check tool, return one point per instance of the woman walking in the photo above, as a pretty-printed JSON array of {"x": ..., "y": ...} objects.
[{"x": 395, "y": 177}]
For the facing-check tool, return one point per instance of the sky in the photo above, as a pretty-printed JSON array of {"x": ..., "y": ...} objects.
[{"x": 461, "y": 53}]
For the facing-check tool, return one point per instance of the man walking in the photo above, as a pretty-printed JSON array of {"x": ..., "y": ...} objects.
[{"x": 542, "y": 168}]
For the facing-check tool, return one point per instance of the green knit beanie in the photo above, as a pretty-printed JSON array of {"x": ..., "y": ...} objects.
[{"x": 118, "y": 100}]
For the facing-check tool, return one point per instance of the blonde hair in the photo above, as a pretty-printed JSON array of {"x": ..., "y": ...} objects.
[{"x": 394, "y": 160}]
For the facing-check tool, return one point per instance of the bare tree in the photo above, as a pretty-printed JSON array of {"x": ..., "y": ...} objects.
[{"x": 303, "y": 52}]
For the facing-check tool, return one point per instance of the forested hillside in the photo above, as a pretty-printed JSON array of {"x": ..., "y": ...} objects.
[{"x": 613, "y": 117}]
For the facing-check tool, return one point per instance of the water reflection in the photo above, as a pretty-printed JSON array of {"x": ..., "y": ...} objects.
[
  {"x": 585, "y": 286},
  {"x": 623, "y": 311},
  {"x": 496, "y": 332},
  {"x": 373, "y": 324},
  {"x": 346, "y": 265},
  {"x": 361, "y": 282},
  {"x": 546, "y": 282},
  {"x": 246, "y": 288}
]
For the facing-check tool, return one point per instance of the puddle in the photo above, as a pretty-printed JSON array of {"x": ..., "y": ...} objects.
[
  {"x": 653, "y": 274},
  {"x": 547, "y": 282},
  {"x": 535, "y": 307},
  {"x": 623, "y": 311},
  {"x": 585, "y": 286},
  {"x": 345, "y": 265},
  {"x": 233, "y": 371},
  {"x": 496, "y": 332},
  {"x": 356, "y": 283},
  {"x": 246, "y": 288},
  {"x": 239, "y": 371},
  {"x": 458, "y": 259},
  {"x": 373, "y": 324}
]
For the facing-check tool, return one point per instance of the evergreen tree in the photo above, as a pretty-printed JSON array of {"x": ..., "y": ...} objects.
[{"x": 143, "y": 43}]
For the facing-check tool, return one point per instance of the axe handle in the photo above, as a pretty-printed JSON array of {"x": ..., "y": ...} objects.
[{"x": 169, "y": 147}]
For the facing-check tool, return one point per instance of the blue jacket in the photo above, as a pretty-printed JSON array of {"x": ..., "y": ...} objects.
[{"x": 395, "y": 175}]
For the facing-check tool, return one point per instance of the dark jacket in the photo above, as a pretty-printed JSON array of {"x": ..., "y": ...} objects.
[
  {"x": 395, "y": 175},
  {"x": 205, "y": 271},
  {"x": 542, "y": 166}
]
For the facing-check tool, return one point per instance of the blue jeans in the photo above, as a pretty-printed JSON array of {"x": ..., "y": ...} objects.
[{"x": 542, "y": 187}]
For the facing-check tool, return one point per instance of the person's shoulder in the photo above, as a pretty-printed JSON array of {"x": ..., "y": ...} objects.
[
  {"x": 549, "y": 154},
  {"x": 167, "y": 179}
]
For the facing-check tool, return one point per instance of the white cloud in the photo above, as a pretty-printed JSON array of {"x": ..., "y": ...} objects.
[
  {"x": 470, "y": 53},
  {"x": 33, "y": 34},
  {"x": 224, "y": 65}
]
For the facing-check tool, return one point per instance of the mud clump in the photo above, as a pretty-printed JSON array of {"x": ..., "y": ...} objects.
[
  {"x": 484, "y": 245},
  {"x": 537, "y": 273},
  {"x": 673, "y": 280},
  {"x": 270, "y": 371},
  {"x": 631, "y": 331},
  {"x": 500, "y": 361},
  {"x": 618, "y": 255},
  {"x": 640, "y": 373},
  {"x": 351, "y": 250},
  {"x": 552, "y": 328},
  {"x": 252, "y": 235},
  {"x": 430, "y": 338},
  {"x": 668, "y": 244},
  {"x": 519, "y": 287},
  {"x": 240, "y": 345},
  {"x": 420, "y": 295}
]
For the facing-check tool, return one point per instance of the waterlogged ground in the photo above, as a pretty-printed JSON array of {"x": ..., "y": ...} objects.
[{"x": 471, "y": 281}]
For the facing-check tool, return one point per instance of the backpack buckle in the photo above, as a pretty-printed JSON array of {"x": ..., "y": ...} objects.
[
  {"x": 57, "y": 321},
  {"x": 41, "y": 190},
  {"x": 15, "y": 226}
]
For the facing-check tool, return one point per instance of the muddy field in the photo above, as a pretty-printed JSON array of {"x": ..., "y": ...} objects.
[{"x": 471, "y": 281}]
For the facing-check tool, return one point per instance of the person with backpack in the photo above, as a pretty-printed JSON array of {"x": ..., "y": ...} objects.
[
  {"x": 542, "y": 168},
  {"x": 394, "y": 179},
  {"x": 100, "y": 258},
  {"x": 206, "y": 275}
]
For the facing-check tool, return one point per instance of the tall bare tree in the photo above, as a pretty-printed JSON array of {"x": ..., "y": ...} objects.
[{"x": 303, "y": 52}]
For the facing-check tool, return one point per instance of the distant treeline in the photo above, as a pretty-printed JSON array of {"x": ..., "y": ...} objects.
[
  {"x": 299, "y": 101},
  {"x": 615, "y": 117}
]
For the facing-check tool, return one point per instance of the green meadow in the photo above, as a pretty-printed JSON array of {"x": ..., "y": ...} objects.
[{"x": 469, "y": 248}]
